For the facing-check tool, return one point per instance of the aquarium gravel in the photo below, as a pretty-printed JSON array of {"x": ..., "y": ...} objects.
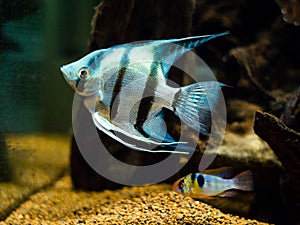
[{"x": 153, "y": 204}]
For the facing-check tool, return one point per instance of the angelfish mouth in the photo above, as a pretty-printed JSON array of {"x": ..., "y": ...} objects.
[
  {"x": 64, "y": 72},
  {"x": 73, "y": 84}
]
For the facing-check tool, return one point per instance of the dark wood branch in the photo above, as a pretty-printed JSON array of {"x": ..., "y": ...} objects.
[{"x": 285, "y": 143}]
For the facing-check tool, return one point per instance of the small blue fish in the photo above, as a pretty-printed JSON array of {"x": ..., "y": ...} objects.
[
  {"x": 215, "y": 182},
  {"x": 127, "y": 83}
]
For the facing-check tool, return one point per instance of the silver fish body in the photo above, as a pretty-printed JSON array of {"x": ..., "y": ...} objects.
[{"x": 128, "y": 83}]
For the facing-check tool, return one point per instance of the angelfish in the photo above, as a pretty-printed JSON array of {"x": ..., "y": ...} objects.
[
  {"x": 215, "y": 182},
  {"x": 125, "y": 90}
]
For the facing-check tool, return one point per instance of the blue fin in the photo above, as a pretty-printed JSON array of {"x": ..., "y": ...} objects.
[
  {"x": 168, "y": 53},
  {"x": 193, "y": 42},
  {"x": 155, "y": 127},
  {"x": 244, "y": 181},
  {"x": 194, "y": 103},
  {"x": 223, "y": 172}
]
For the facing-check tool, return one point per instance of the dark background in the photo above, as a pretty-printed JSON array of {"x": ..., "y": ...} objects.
[{"x": 36, "y": 38}]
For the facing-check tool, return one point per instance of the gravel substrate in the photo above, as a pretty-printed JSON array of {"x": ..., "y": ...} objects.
[
  {"x": 35, "y": 161},
  {"x": 154, "y": 204}
]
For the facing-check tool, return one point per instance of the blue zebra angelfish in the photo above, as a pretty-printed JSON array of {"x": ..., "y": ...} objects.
[
  {"x": 118, "y": 80},
  {"x": 215, "y": 182}
]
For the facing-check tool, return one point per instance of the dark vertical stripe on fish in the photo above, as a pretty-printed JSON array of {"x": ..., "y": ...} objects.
[
  {"x": 115, "y": 100},
  {"x": 181, "y": 185},
  {"x": 147, "y": 98},
  {"x": 176, "y": 100},
  {"x": 200, "y": 180},
  {"x": 193, "y": 176}
]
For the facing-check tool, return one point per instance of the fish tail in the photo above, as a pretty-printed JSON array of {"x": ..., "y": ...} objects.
[
  {"x": 244, "y": 181},
  {"x": 193, "y": 104}
]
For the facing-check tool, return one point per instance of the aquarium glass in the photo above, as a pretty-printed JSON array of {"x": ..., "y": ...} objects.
[{"x": 36, "y": 38}]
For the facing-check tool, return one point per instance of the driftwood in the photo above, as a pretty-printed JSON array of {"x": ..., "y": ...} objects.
[
  {"x": 285, "y": 142},
  {"x": 290, "y": 10},
  {"x": 118, "y": 21}
]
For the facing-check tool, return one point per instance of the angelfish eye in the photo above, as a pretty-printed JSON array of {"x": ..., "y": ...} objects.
[{"x": 84, "y": 73}]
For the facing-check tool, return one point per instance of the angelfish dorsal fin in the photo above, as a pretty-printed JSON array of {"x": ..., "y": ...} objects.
[
  {"x": 223, "y": 172},
  {"x": 168, "y": 51}
]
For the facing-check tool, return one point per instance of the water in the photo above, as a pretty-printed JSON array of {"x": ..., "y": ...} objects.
[
  {"x": 33, "y": 94},
  {"x": 36, "y": 38}
]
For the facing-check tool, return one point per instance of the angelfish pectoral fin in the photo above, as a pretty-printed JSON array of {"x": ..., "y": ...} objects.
[
  {"x": 155, "y": 127},
  {"x": 105, "y": 126}
]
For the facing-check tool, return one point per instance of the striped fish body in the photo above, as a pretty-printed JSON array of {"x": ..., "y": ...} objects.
[
  {"x": 128, "y": 83},
  {"x": 204, "y": 185}
]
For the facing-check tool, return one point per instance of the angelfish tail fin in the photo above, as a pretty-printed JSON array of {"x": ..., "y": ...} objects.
[
  {"x": 193, "y": 104},
  {"x": 244, "y": 181}
]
